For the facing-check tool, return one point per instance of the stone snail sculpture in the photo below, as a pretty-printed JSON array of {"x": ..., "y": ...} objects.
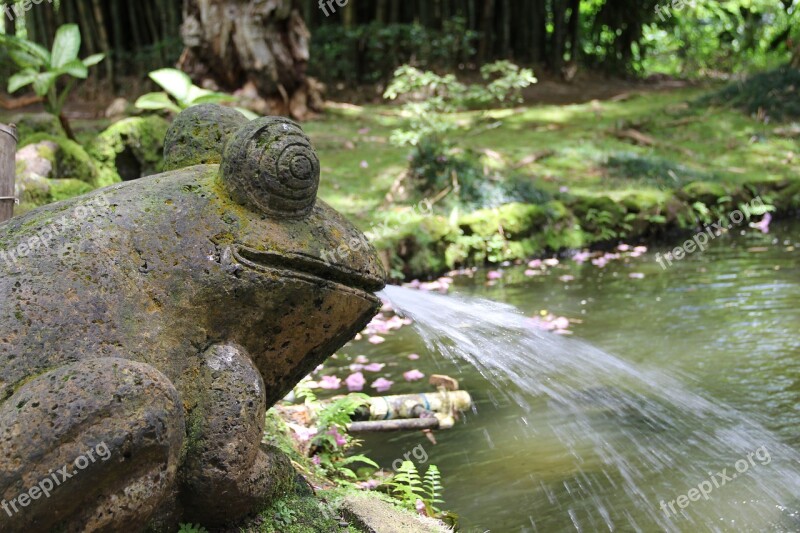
[
  {"x": 187, "y": 304},
  {"x": 271, "y": 165}
]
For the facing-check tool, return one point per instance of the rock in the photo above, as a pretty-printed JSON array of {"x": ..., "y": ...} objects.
[
  {"x": 372, "y": 515},
  {"x": 130, "y": 149},
  {"x": 151, "y": 323},
  {"x": 32, "y": 123},
  {"x": 38, "y": 159},
  {"x": 44, "y": 169},
  {"x": 71, "y": 160},
  {"x": 118, "y": 108}
]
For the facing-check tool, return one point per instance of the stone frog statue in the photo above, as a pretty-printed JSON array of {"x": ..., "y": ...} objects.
[{"x": 146, "y": 327}]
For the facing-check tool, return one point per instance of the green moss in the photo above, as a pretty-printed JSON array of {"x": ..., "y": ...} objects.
[
  {"x": 130, "y": 148},
  {"x": 68, "y": 188},
  {"x": 513, "y": 220},
  {"x": 71, "y": 160}
]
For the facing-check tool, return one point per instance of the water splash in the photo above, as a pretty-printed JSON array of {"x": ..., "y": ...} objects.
[{"x": 638, "y": 440}]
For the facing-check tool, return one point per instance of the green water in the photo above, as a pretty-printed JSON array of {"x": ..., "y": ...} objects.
[{"x": 724, "y": 322}]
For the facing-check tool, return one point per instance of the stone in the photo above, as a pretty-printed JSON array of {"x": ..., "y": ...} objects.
[
  {"x": 376, "y": 516},
  {"x": 129, "y": 149},
  {"x": 150, "y": 324},
  {"x": 118, "y": 108}
]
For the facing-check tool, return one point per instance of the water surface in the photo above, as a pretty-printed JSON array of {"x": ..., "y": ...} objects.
[{"x": 704, "y": 367}]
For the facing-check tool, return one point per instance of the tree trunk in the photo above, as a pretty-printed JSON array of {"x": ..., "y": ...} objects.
[{"x": 260, "y": 44}]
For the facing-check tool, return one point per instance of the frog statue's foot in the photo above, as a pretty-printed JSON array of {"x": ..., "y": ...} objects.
[
  {"x": 228, "y": 472},
  {"x": 89, "y": 446}
]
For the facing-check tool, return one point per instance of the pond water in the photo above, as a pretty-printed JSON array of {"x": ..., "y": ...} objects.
[{"x": 680, "y": 374}]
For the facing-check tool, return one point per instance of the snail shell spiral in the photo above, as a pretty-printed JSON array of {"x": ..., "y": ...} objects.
[{"x": 270, "y": 165}]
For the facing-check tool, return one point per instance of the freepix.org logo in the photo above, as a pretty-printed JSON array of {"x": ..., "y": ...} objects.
[{"x": 18, "y": 9}]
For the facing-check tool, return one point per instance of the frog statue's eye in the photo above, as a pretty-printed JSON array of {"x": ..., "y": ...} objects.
[{"x": 270, "y": 165}]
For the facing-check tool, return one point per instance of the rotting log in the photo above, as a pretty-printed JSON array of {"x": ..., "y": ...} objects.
[{"x": 8, "y": 151}]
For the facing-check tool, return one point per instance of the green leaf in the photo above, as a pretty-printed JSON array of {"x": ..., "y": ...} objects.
[
  {"x": 93, "y": 60},
  {"x": 360, "y": 459},
  {"x": 175, "y": 82},
  {"x": 250, "y": 115},
  {"x": 156, "y": 101},
  {"x": 43, "y": 82},
  {"x": 24, "y": 59},
  {"x": 209, "y": 97},
  {"x": 21, "y": 79},
  {"x": 40, "y": 53},
  {"x": 66, "y": 45},
  {"x": 75, "y": 68}
]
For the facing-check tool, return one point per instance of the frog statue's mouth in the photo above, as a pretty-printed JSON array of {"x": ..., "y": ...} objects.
[{"x": 309, "y": 268}]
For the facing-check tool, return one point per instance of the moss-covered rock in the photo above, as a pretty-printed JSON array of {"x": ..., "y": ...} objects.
[
  {"x": 71, "y": 160},
  {"x": 703, "y": 191},
  {"x": 130, "y": 149},
  {"x": 29, "y": 124},
  {"x": 68, "y": 188},
  {"x": 514, "y": 220}
]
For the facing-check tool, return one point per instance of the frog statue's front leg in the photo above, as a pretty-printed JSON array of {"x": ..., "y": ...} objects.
[{"x": 227, "y": 472}]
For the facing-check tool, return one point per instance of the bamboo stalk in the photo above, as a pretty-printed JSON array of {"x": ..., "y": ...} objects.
[{"x": 8, "y": 150}]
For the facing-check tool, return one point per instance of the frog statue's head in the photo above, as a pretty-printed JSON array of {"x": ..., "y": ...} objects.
[{"x": 293, "y": 280}]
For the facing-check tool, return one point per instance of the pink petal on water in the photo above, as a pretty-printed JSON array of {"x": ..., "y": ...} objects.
[
  {"x": 566, "y": 277},
  {"x": 535, "y": 263},
  {"x": 364, "y": 164},
  {"x": 413, "y": 356},
  {"x": 494, "y": 274},
  {"x": 382, "y": 385},
  {"x": 640, "y": 249},
  {"x": 561, "y": 323},
  {"x": 330, "y": 382},
  {"x": 355, "y": 382},
  {"x": 551, "y": 262},
  {"x": 376, "y": 339},
  {"x": 413, "y": 375},
  {"x": 355, "y": 367},
  {"x": 636, "y": 275},
  {"x": 623, "y": 247},
  {"x": 361, "y": 359},
  {"x": 374, "y": 367}
]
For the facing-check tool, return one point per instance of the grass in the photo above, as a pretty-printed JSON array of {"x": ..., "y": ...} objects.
[{"x": 586, "y": 152}]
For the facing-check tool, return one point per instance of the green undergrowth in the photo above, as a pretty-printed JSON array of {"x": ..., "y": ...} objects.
[
  {"x": 645, "y": 167},
  {"x": 775, "y": 94}
]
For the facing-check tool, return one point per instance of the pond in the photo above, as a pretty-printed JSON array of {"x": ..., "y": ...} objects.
[{"x": 723, "y": 323}]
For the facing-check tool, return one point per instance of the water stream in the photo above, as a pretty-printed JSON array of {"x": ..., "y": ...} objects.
[{"x": 692, "y": 428}]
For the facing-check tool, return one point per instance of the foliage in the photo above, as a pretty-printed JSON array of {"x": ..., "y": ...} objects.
[
  {"x": 653, "y": 171},
  {"x": 407, "y": 487},
  {"x": 723, "y": 36},
  {"x": 435, "y": 169},
  {"x": 770, "y": 94},
  {"x": 283, "y": 514},
  {"x": 192, "y": 528},
  {"x": 184, "y": 93},
  {"x": 369, "y": 53},
  {"x": 430, "y": 95},
  {"x": 332, "y": 443},
  {"x": 42, "y": 68}
]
